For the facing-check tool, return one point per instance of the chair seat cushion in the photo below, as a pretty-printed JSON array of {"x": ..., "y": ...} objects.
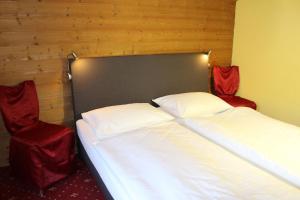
[
  {"x": 42, "y": 133},
  {"x": 42, "y": 154},
  {"x": 237, "y": 101}
]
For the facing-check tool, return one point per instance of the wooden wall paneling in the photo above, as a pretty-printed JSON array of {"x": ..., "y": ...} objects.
[{"x": 37, "y": 35}]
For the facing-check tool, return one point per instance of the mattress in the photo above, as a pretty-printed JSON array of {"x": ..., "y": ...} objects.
[{"x": 168, "y": 161}]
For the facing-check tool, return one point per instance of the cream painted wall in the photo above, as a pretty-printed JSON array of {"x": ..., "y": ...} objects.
[{"x": 267, "y": 49}]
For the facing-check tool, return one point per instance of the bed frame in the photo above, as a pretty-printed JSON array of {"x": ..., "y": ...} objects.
[{"x": 105, "y": 81}]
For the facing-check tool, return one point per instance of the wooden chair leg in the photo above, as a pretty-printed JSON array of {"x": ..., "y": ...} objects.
[{"x": 41, "y": 193}]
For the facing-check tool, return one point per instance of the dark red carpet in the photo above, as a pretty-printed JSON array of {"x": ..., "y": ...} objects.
[{"x": 80, "y": 185}]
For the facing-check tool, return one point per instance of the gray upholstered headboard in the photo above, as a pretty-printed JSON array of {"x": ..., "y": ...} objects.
[{"x": 105, "y": 81}]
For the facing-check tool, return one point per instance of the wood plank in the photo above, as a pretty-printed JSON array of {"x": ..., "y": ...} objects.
[
  {"x": 93, "y": 23},
  {"x": 70, "y": 37},
  {"x": 105, "y": 48},
  {"x": 116, "y": 7}
]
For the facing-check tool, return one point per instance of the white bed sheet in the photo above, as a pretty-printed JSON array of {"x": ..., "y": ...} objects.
[
  {"x": 170, "y": 162},
  {"x": 270, "y": 144}
]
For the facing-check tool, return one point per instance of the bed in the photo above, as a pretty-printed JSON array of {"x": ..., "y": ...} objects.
[
  {"x": 166, "y": 160},
  {"x": 105, "y": 81}
]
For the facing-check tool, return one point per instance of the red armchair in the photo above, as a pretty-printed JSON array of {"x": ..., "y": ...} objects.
[
  {"x": 226, "y": 82},
  {"x": 40, "y": 153}
]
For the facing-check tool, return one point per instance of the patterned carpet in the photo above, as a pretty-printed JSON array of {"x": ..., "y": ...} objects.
[{"x": 80, "y": 185}]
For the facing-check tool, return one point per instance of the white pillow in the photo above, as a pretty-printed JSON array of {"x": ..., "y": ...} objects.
[
  {"x": 192, "y": 104},
  {"x": 112, "y": 120}
]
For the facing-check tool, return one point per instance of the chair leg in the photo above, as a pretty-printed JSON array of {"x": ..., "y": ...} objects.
[{"x": 41, "y": 193}]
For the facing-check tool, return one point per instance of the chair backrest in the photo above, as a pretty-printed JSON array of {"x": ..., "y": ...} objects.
[
  {"x": 226, "y": 80},
  {"x": 19, "y": 106}
]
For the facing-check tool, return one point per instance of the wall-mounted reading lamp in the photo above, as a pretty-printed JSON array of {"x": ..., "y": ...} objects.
[
  {"x": 71, "y": 58},
  {"x": 207, "y": 55}
]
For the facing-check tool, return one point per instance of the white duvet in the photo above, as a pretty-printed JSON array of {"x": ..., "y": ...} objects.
[
  {"x": 170, "y": 162},
  {"x": 270, "y": 144}
]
